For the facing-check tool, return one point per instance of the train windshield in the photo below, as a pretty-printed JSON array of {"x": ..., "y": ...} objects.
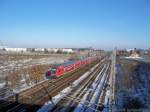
[{"x": 53, "y": 71}]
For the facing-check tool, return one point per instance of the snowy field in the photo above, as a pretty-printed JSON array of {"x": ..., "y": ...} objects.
[
  {"x": 132, "y": 83},
  {"x": 143, "y": 58},
  {"x": 15, "y": 69}
]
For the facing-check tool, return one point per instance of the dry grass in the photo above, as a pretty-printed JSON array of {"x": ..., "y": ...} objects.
[
  {"x": 128, "y": 68},
  {"x": 32, "y": 74}
]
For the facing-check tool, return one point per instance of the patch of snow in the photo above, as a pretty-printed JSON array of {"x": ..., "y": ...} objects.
[
  {"x": 131, "y": 57},
  {"x": 89, "y": 93},
  {"x": 2, "y": 84}
]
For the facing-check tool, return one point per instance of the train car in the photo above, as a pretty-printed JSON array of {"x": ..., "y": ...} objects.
[
  {"x": 69, "y": 66},
  {"x": 60, "y": 69},
  {"x": 83, "y": 62},
  {"x": 77, "y": 64}
]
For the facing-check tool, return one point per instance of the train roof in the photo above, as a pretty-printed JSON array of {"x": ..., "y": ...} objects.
[
  {"x": 64, "y": 64},
  {"x": 68, "y": 63}
]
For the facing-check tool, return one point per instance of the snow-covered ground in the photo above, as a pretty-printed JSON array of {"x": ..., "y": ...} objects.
[
  {"x": 2, "y": 84},
  {"x": 133, "y": 90},
  {"x": 144, "y": 58},
  {"x": 136, "y": 57},
  {"x": 10, "y": 65}
]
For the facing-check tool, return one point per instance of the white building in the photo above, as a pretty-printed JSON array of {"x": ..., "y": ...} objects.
[
  {"x": 39, "y": 49},
  {"x": 55, "y": 50},
  {"x": 16, "y": 49},
  {"x": 52, "y": 50},
  {"x": 67, "y": 50},
  {"x": 63, "y": 50}
]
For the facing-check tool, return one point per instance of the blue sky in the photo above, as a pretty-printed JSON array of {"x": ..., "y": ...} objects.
[{"x": 75, "y": 23}]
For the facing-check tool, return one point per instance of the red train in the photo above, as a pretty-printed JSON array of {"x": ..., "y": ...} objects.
[{"x": 58, "y": 70}]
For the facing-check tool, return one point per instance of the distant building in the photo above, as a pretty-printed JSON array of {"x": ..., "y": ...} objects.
[
  {"x": 30, "y": 49},
  {"x": 63, "y": 50},
  {"x": 123, "y": 52},
  {"x": 16, "y": 49},
  {"x": 54, "y": 50},
  {"x": 67, "y": 50},
  {"x": 134, "y": 53},
  {"x": 39, "y": 49},
  {"x": 147, "y": 52}
]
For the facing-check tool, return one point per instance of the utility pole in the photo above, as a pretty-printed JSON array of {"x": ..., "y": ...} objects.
[
  {"x": 112, "y": 82},
  {"x": 114, "y": 74}
]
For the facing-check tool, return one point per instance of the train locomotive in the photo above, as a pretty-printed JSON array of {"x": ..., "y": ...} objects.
[{"x": 60, "y": 69}]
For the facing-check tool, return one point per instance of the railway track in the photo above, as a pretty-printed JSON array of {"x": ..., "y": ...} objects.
[
  {"x": 55, "y": 85},
  {"x": 32, "y": 98},
  {"x": 95, "y": 101},
  {"x": 58, "y": 87},
  {"x": 70, "y": 102}
]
